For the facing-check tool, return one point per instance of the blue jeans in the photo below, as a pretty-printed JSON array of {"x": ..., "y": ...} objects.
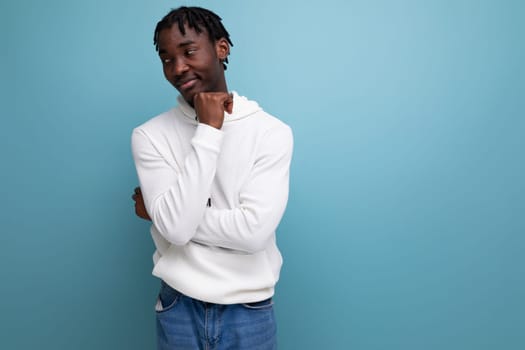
[{"x": 184, "y": 323}]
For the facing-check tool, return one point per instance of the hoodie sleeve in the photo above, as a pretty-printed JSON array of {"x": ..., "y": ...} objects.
[
  {"x": 263, "y": 199},
  {"x": 175, "y": 198}
]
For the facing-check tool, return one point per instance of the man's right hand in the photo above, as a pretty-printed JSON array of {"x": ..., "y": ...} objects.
[{"x": 210, "y": 107}]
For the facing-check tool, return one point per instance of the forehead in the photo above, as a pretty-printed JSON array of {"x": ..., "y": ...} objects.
[{"x": 172, "y": 36}]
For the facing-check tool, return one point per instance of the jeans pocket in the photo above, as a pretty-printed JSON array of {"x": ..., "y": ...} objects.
[
  {"x": 167, "y": 299},
  {"x": 259, "y": 305}
]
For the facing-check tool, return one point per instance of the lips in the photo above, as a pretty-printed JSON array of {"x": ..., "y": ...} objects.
[{"x": 186, "y": 84}]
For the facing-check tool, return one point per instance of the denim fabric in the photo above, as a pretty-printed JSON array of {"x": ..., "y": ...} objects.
[{"x": 184, "y": 323}]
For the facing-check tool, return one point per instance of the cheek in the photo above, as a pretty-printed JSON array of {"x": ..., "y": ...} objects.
[{"x": 166, "y": 72}]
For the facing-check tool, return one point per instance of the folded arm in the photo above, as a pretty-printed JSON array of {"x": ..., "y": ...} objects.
[
  {"x": 263, "y": 198},
  {"x": 174, "y": 197}
]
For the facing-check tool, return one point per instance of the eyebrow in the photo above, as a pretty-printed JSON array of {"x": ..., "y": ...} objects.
[
  {"x": 182, "y": 44},
  {"x": 186, "y": 43}
]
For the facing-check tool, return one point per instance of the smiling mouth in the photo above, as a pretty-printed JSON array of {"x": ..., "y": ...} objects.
[{"x": 187, "y": 84}]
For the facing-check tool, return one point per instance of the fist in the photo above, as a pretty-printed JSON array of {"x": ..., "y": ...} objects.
[{"x": 210, "y": 107}]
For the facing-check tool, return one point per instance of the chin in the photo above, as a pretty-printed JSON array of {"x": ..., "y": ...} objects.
[
  {"x": 189, "y": 100},
  {"x": 189, "y": 95}
]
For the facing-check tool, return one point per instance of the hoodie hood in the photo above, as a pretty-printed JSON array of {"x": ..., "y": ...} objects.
[{"x": 242, "y": 108}]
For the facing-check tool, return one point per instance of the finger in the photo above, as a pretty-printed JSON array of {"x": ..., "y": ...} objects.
[{"x": 195, "y": 98}]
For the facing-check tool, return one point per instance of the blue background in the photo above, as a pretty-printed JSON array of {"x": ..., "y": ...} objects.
[{"x": 405, "y": 226}]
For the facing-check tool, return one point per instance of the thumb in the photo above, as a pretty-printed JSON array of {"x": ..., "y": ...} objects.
[{"x": 228, "y": 104}]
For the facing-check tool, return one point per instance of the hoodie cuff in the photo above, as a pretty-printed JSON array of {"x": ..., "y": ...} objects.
[{"x": 208, "y": 137}]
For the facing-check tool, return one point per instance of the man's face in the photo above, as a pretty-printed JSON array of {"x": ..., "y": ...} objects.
[{"x": 191, "y": 62}]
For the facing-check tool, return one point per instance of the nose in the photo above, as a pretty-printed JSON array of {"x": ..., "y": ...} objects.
[{"x": 180, "y": 67}]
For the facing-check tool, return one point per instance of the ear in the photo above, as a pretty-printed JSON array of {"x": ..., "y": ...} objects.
[{"x": 222, "y": 48}]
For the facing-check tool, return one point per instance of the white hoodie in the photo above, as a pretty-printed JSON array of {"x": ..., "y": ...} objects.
[{"x": 215, "y": 198}]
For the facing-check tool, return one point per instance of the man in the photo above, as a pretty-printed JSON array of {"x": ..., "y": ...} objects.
[{"x": 214, "y": 174}]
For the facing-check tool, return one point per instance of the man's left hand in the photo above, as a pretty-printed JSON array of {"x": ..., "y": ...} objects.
[{"x": 140, "y": 208}]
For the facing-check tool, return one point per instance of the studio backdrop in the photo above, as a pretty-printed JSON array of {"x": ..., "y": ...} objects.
[{"x": 405, "y": 225}]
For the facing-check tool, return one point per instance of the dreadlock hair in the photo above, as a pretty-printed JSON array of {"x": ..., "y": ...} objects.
[{"x": 196, "y": 18}]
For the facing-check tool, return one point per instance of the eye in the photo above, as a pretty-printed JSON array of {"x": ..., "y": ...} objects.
[
  {"x": 166, "y": 60},
  {"x": 190, "y": 52}
]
